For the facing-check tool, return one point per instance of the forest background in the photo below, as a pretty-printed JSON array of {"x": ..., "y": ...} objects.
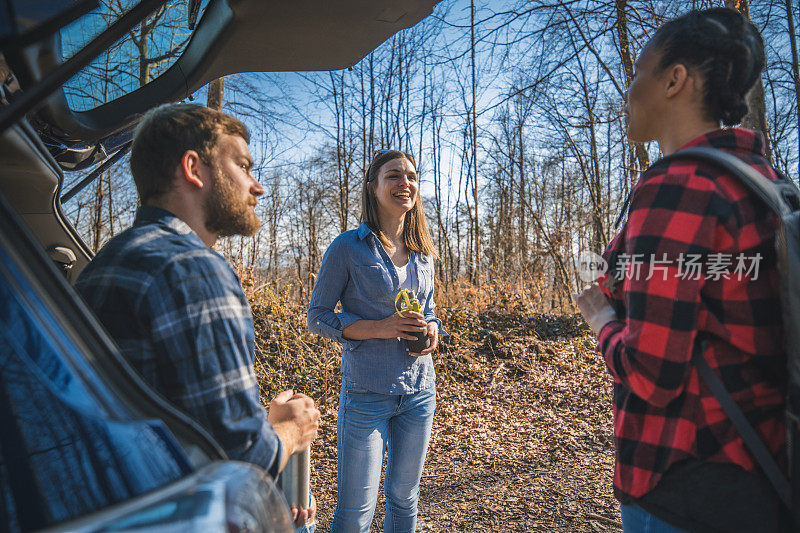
[
  {"x": 512, "y": 109},
  {"x": 514, "y": 112}
]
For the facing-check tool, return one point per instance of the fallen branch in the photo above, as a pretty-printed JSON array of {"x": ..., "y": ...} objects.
[
  {"x": 603, "y": 519},
  {"x": 496, "y": 373}
]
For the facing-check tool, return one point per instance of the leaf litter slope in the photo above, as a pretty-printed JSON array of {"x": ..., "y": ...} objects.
[{"x": 522, "y": 439}]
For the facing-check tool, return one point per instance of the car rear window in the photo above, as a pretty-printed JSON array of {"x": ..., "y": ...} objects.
[{"x": 140, "y": 56}]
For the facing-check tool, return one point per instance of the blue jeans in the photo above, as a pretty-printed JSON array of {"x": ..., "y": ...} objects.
[
  {"x": 369, "y": 424},
  {"x": 307, "y": 528},
  {"x": 637, "y": 520}
]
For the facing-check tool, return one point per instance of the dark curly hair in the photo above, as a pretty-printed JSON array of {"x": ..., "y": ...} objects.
[{"x": 725, "y": 47}]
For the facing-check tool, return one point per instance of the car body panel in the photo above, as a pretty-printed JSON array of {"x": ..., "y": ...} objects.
[
  {"x": 211, "y": 499},
  {"x": 91, "y": 347},
  {"x": 30, "y": 179},
  {"x": 64, "y": 433}
]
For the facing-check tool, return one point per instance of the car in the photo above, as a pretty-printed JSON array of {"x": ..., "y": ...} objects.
[{"x": 85, "y": 444}]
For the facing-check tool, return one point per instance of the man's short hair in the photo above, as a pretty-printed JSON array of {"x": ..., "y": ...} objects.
[{"x": 166, "y": 133}]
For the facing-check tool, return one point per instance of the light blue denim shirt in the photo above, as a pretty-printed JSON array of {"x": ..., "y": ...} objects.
[{"x": 358, "y": 272}]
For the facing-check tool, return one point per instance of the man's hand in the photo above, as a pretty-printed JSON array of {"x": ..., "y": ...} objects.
[
  {"x": 595, "y": 308},
  {"x": 296, "y": 421},
  {"x": 433, "y": 333},
  {"x": 302, "y": 516}
]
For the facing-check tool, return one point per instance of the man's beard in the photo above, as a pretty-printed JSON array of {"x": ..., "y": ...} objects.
[{"x": 226, "y": 214}]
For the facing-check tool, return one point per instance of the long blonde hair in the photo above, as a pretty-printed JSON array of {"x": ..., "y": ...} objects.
[{"x": 416, "y": 235}]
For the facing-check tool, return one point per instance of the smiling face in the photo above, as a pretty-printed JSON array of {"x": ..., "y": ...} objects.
[
  {"x": 396, "y": 187},
  {"x": 644, "y": 107},
  {"x": 232, "y": 196}
]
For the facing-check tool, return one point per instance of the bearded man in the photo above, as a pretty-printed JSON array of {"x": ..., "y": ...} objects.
[{"x": 174, "y": 305}]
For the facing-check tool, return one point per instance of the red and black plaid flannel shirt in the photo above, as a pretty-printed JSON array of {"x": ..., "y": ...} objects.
[{"x": 683, "y": 214}]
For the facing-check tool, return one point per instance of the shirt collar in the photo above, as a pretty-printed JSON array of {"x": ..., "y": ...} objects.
[
  {"x": 731, "y": 140},
  {"x": 363, "y": 231},
  {"x": 148, "y": 214}
]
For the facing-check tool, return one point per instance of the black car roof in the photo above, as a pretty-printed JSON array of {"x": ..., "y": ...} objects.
[{"x": 232, "y": 36}]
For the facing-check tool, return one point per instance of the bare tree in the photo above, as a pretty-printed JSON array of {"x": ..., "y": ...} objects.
[
  {"x": 626, "y": 56},
  {"x": 215, "y": 93},
  {"x": 794, "y": 65},
  {"x": 756, "y": 117}
]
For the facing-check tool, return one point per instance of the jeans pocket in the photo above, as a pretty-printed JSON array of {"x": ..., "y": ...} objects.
[
  {"x": 351, "y": 386},
  {"x": 426, "y": 400}
]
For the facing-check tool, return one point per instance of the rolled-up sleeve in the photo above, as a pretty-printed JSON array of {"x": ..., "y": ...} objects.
[{"x": 330, "y": 284}]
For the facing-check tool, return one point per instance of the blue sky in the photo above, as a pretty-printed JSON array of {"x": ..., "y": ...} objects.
[{"x": 298, "y": 117}]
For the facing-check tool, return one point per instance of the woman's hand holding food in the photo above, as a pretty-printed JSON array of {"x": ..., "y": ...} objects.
[
  {"x": 391, "y": 327},
  {"x": 433, "y": 333},
  {"x": 396, "y": 326}
]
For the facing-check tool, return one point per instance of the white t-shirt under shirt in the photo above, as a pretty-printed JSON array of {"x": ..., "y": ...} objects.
[{"x": 404, "y": 276}]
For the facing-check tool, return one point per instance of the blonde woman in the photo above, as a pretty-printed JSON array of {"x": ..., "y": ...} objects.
[{"x": 388, "y": 393}]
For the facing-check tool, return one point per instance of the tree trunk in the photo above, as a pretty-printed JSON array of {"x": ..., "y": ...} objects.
[
  {"x": 522, "y": 228},
  {"x": 756, "y": 117},
  {"x": 372, "y": 107},
  {"x": 476, "y": 230},
  {"x": 795, "y": 69},
  {"x": 215, "y": 94},
  {"x": 343, "y": 193},
  {"x": 97, "y": 215},
  {"x": 144, "y": 63},
  {"x": 642, "y": 156}
]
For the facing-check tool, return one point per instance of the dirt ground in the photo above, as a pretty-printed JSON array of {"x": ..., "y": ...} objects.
[{"x": 522, "y": 439}]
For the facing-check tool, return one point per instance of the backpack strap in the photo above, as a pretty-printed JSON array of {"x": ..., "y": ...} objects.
[
  {"x": 743, "y": 426},
  {"x": 777, "y": 196}
]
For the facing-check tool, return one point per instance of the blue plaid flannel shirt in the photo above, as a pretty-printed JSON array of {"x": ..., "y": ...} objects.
[{"x": 177, "y": 311}]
